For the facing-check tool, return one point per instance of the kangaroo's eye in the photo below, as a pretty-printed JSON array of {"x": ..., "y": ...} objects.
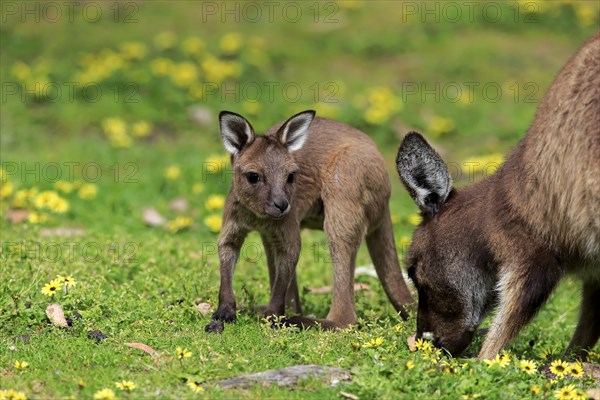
[
  {"x": 291, "y": 177},
  {"x": 252, "y": 177}
]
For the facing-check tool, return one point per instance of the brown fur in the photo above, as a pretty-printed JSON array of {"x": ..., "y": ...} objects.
[
  {"x": 341, "y": 186},
  {"x": 510, "y": 238}
]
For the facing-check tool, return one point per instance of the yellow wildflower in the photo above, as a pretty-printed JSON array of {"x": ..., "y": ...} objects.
[
  {"x": 414, "y": 219},
  {"x": 422, "y": 344},
  {"x": 141, "y": 129},
  {"x": 161, "y": 66},
  {"x": 192, "y": 45},
  {"x": 105, "y": 394},
  {"x": 195, "y": 387},
  {"x": 575, "y": 369},
  {"x": 125, "y": 385},
  {"x": 11, "y": 394},
  {"x": 68, "y": 281},
  {"x": 50, "y": 289},
  {"x": 213, "y": 222},
  {"x": 252, "y": 107},
  {"x": 184, "y": 74},
  {"x": 172, "y": 172},
  {"x": 133, "y": 50},
  {"x": 565, "y": 393},
  {"x": 231, "y": 43},
  {"x": 114, "y": 126},
  {"x": 87, "y": 191},
  {"x": 440, "y": 125},
  {"x": 215, "y": 202},
  {"x": 410, "y": 364},
  {"x": 559, "y": 368},
  {"x": 373, "y": 343},
  {"x": 21, "y": 71},
  {"x": 183, "y": 352},
  {"x": 216, "y": 162},
  {"x": 64, "y": 186},
  {"x": 535, "y": 390},
  {"x": 6, "y": 189},
  {"x": 178, "y": 224},
  {"x": 500, "y": 360},
  {"x": 21, "y": 365},
  {"x": 165, "y": 40},
  {"x": 528, "y": 366},
  {"x": 36, "y": 218}
]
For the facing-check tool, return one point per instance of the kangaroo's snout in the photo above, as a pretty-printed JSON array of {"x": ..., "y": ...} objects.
[{"x": 281, "y": 204}]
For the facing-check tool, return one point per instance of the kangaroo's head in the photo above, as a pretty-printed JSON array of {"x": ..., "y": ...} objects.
[
  {"x": 445, "y": 271},
  {"x": 264, "y": 169}
]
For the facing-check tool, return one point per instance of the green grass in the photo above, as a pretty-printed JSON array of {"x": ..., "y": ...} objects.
[{"x": 141, "y": 284}]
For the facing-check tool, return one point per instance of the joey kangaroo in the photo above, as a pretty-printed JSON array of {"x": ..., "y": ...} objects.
[
  {"x": 307, "y": 173},
  {"x": 509, "y": 239}
]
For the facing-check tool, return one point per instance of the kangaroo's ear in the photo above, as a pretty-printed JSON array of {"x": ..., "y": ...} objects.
[
  {"x": 423, "y": 173},
  {"x": 236, "y": 131},
  {"x": 294, "y": 131}
]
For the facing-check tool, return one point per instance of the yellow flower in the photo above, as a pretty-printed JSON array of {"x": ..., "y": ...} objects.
[
  {"x": 410, "y": 364},
  {"x": 133, "y": 50},
  {"x": 422, "y": 344},
  {"x": 141, "y": 129},
  {"x": 559, "y": 368},
  {"x": 535, "y": 390},
  {"x": 105, "y": 394},
  {"x": 231, "y": 43},
  {"x": 11, "y": 394},
  {"x": 6, "y": 189},
  {"x": 64, "y": 186},
  {"x": 126, "y": 385},
  {"x": 252, "y": 107},
  {"x": 68, "y": 281},
  {"x": 49, "y": 199},
  {"x": 51, "y": 288},
  {"x": 195, "y": 387},
  {"x": 500, "y": 360},
  {"x": 528, "y": 366},
  {"x": 37, "y": 218},
  {"x": 21, "y": 71},
  {"x": 114, "y": 126},
  {"x": 565, "y": 393},
  {"x": 182, "y": 353},
  {"x": 172, "y": 172},
  {"x": 587, "y": 13},
  {"x": 575, "y": 369},
  {"x": 165, "y": 40},
  {"x": 414, "y": 219},
  {"x": 161, "y": 66},
  {"x": 213, "y": 222},
  {"x": 197, "y": 188},
  {"x": 21, "y": 365},
  {"x": 179, "y": 224},
  {"x": 216, "y": 162},
  {"x": 440, "y": 125},
  {"x": 184, "y": 74},
  {"x": 192, "y": 45},
  {"x": 81, "y": 384},
  {"x": 87, "y": 191},
  {"x": 373, "y": 343},
  {"x": 547, "y": 353},
  {"x": 215, "y": 202}
]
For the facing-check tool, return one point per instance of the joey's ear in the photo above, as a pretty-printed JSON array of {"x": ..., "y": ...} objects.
[
  {"x": 294, "y": 131},
  {"x": 236, "y": 131},
  {"x": 423, "y": 173}
]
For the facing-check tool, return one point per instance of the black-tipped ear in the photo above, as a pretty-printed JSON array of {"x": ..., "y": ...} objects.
[
  {"x": 294, "y": 132},
  {"x": 423, "y": 173},
  {"x": 236, "y": 131}
]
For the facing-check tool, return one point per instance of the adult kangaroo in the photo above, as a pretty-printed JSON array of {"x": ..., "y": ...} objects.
[{"x": 509, "y": 239}]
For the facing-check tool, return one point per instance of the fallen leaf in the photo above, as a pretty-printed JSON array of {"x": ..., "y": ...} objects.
[
  {"x": 143, "y": 347},
  {"x": 56, "y": 315},
  {"x": 349, "y": 395},
  {"x": 152, "y": 217},
  {"x": 204, "y": 308},
  {"x": 411, "y": 343},
  {"x": 17, "y": 215},
  {"x": 179, "y": 204},
  {"x": 328, "y": 289}
]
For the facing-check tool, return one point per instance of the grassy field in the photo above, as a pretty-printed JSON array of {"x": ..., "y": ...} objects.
[{"x": 110, "y": 108}]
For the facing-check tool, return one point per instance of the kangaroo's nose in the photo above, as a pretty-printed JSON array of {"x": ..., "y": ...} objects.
[{"x": 281, "y": 204}]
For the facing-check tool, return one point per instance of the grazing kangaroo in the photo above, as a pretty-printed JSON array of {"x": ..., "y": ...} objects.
[
  {"x": 509, "y": 239},
  {"x": 314, "y": 173}
]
